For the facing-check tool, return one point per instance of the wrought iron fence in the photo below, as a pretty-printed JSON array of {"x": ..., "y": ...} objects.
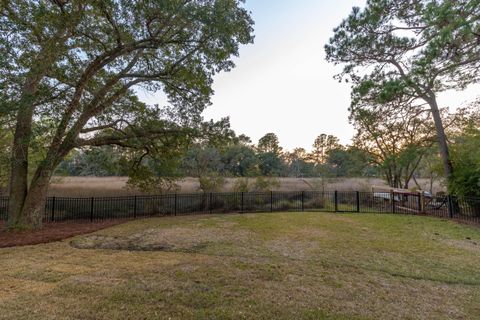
[
  {"x": 3, "y": 208},
  {"x": 131, "y": 207}
]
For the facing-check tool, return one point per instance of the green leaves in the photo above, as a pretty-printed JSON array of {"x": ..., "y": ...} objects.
[
  {"x": 466, "y": 157},
  {"x": 174, "y": 46},
  {"x": 403, "y": 53},
  {"x": 269, "y": 143},
  {"x": 424, "y": 41},
  {"x": 395, "y": 135},
  {"x": 84, "y": 62}
]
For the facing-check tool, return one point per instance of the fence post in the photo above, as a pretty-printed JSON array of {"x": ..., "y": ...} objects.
[
  {"x": 271, "y": 201},
  {"x": 175, "y": 205},
  {"x": 303, "y": 201},
  {"x": 53, "y": 209},
  {"x": 358, "y": 201},
  {"x": 135, "y": 207},
  {"x": 241, "y": 205},
  {"x": 91, "y": 209},
  {"x": 420, "y": 200},
  {"x": 336, "y": 200},
  {"x": 450, "y": 206},
  {"x": 210, "y": 203},
  {"x": 392, "y": 199}
]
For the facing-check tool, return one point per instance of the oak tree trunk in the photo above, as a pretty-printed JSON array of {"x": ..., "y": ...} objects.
[
  {"x": 19, "y": 216},
  {"x": 34, "y": 206},
  {"x": 31, "y": 211},
  {"x": 19, "y": 161}
]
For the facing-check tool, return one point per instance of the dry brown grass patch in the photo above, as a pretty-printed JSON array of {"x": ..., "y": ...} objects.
[
  {"x": 259, "y": 266},
  {"x": 117, "y": 186},
  {"x": 172, "y": 239}
]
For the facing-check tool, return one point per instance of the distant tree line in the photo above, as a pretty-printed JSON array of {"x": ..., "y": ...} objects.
[
  {"x": 397, "y": 144},
  {"x": 234, "y": 156}
]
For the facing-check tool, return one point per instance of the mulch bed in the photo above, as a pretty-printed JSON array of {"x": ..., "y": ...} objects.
[{"x": 51, "y": 232}]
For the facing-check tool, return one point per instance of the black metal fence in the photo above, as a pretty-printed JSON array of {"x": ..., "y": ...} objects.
[
  {"x": 131, "y": 207},
  {"x": 3, "y": 208}
]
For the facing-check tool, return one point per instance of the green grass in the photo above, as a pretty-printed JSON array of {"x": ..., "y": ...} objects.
[{"x": 253, "y": 266}]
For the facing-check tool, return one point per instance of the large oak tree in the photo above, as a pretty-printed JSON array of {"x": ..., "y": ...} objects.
[{"x": 71, "y": 70}]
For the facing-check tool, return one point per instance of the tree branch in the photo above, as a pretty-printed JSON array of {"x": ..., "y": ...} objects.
[
  {"x": 111, "y": 125},
  {"x": 136, "y": 134}
]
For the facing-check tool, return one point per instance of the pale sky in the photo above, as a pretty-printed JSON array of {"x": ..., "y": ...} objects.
[{"x": 282, "y": 83}]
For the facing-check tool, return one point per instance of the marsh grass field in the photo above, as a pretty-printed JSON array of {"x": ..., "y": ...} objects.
[
  {"x": 117, "y": 186},
  {"x": 251, "y": 266}
]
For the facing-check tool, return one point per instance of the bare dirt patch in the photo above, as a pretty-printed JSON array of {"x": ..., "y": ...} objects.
[
  {"x": 51, "y": 232},
  {"x": 467, "y": 244},
  {"x": 292, "y": 249},
  {"x": 171, "y": 239}
]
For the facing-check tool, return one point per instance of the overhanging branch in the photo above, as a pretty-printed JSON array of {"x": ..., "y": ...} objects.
[{"x": 124, "y": 139}]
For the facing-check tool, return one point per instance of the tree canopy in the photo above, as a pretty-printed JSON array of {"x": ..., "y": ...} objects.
[
  {"x": 397, "y": 50},
  {"x": 269, "y": 143},
  {"x": 466, "y": 157},
  {"x": 71, "y": 71},
  {"x": 322, "y": 145},
  {"x": 396, "y": 137}
]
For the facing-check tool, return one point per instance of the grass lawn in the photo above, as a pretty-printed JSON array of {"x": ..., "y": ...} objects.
[{"x": 253, "y": 266}]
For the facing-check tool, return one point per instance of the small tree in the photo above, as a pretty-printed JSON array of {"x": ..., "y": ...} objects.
[
  {"x": 395, "y": 136},
  {"x": 430, "y": 167},
  {"x": 298, "y": 163},
  {"x": 322, "y": 146},
  {"x": 264, "y": 184},
  {"x": 242, "y": 185}
]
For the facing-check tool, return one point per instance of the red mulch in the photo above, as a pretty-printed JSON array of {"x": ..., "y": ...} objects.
[{"x": 51, "y": 232}]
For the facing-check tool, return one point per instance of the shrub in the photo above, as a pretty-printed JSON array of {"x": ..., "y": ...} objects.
[
  {"x": 211, "y": 183},
  {"x": 284, "y": 205},
  {"x": 466, "y": 159},
  {"x": 315, "y": 203},
  {"x": 263, "y": 184},
  {"x": 241, "y": 185}
]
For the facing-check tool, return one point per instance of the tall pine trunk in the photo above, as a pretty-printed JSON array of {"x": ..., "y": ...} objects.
[
  {"x": 441, "y": 136},
  {"x": 443, "y": 146}
]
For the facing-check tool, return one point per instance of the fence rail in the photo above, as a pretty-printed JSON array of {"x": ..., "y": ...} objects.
[{"x": 101, "y": 208}]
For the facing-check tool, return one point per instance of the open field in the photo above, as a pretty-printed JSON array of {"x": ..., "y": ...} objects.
[
  {"x": 253, "y": 266},
  {"x": 116, "y": 186}
]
